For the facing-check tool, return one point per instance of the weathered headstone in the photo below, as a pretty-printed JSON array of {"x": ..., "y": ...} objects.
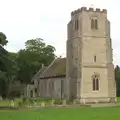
[
  {"x": 43, "y": 104},
  {"x": 52, "y": 101},
  {"x": 12, "y": 104},
  {"x": 35, "y": 103},
  {"x": 74, "y": 102},
  {"x": 64, "y": 102}
]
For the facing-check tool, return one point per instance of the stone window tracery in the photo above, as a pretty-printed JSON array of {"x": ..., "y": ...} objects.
[
  {"x": 95, "y": 81},
  {"x": 94, "y": 23},
  {"x": 76, "y": 24}
]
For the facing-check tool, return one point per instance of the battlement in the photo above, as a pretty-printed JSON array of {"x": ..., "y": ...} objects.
[{"x": 89, "y": 10}]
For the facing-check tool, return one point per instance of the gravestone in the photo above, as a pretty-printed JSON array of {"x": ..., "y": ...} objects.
[
  {"x": 64, "y": 102},
  {"x": 74, "y": 102},
  {"x": 12, "y": 104},
  {"x": 35, "y": 103},
  {"x": 43, "y": 104},
  {"x": 52, "y": 101}
]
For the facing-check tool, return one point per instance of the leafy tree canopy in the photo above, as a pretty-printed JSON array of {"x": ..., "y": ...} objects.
[
  {"x": 3, "y": 39},
  {"x": 31, "y": 58}
]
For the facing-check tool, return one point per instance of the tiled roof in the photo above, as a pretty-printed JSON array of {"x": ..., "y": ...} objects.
[{"x": 58, "y": 68}]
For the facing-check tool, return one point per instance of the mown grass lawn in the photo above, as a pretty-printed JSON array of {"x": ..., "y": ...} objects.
[
  {"x": 110, "y": 113},
  {"x": 4, "y": 102}
]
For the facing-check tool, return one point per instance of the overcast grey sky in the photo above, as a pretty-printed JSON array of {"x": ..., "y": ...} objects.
[{"x": 21, "y": 20}]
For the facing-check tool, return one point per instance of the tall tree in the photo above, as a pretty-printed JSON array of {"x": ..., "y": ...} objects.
[
  {"x": 3, "y": 39},
  {"x": 3, "y": 66},
  {"x": 117, "y": 78},
  {"x": 32, "y": 57},
  {"x": 7, "y": 64}
]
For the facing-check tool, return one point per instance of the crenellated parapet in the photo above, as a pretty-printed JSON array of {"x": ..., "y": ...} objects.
[{"x": 89, "y": 10}]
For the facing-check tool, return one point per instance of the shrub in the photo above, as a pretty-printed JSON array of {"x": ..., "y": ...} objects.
[
  {"x": 69, "y": 102},
  {"x": 31, "y": 101},
  {"x": 20, "y": 104},
  {"x": 58, "y": 101},
  {"x": 24, "y": 99}
]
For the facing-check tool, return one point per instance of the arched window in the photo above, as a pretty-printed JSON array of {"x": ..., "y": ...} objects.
[
  {"x": 92, "y": 24},
  {"x": 76, "y": 24},
  {"x": 95, "y": 82},
  {"x": 96, "y": 24}
]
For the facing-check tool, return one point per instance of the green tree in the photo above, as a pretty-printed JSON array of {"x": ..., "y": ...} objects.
[
  {"x": 32, "y": 57},
  {"x": 3, "y": 39},
  {"x": 34, "y": 45},
  {"x": 13, "y": 59},
  {"x": 6, "y": 66},
  {"x": 117, "y": 78}
]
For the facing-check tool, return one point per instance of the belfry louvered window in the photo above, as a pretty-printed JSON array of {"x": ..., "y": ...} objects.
[
  {"x": 76, "y": 24},
  {"x": 94, "y": 23}
]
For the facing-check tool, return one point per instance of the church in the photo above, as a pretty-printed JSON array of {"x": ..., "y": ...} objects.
[{"x": 87, "y": 72}]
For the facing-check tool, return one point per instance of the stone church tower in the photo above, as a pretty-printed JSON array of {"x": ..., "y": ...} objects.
[{"x": 89, "y": 67}]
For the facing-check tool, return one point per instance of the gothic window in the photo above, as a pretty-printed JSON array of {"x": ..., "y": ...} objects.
[
  {"x": 76, "y": 24},
  {"x": 95, "y": 82},
  {"x": 94, "y": 23}
]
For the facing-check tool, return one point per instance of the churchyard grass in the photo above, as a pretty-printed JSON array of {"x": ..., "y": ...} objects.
[
  {"x": 17, "y": 102},
  {"x": 76, "y": 113},
  {"x": 38, "y": 103},
  {"x": 6, "y": 102},
  {"x": 107, "y": 113},
  {"x": 118, "y": 99}
]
